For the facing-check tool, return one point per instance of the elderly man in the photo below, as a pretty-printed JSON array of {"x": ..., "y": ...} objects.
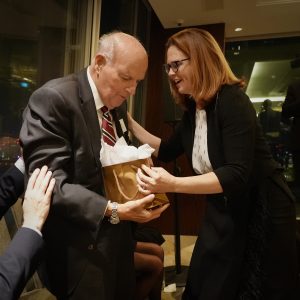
[{"x": 89, "y": 248}]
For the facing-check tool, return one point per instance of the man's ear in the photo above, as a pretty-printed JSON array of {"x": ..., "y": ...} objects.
[{"x": 100, "y": 61}]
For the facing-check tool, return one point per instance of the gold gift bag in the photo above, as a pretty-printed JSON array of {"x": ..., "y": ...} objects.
[{"x": 121, "y": 185}]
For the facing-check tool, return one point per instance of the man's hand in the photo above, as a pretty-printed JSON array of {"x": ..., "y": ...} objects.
[
  {"x": 37, "y": 198},
  {"x": 136, "y": 210}
]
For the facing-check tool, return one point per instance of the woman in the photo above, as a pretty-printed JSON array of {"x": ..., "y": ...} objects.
[{"x": 246, "y": 248}]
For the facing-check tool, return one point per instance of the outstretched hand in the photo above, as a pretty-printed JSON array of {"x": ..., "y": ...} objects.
[
  {"x": 137, "y": 210},
  {"x": 154, "y": 180},
  {"x": 37, "y": 198}
]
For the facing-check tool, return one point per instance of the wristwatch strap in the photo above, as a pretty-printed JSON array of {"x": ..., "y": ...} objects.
[{"x": 114, "y": 218}]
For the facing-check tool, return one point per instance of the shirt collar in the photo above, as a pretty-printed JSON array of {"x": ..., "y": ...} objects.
[{"x": 98, "y": 102}]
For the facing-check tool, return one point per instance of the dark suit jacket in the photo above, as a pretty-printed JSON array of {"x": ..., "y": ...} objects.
[
  {"x": 19, "y": 262},
  {"x": 21, "y": 258},
  {"x": 61, "y": 130},
  {"x": 291, "y": 108},
  {"x": 270, "y": 120},
  {"x": 11, "y": 188}
]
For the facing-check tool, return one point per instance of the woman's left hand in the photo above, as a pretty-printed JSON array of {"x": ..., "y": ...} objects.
[{"x": 154, "y": 180}]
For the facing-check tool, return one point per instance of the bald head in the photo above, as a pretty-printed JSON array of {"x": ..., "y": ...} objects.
[
  {"x": 120, "y": 63},
  {"x": 120, "y": 43}
]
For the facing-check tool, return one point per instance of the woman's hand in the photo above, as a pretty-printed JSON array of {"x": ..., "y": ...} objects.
[{"x": 155, "y": 180}]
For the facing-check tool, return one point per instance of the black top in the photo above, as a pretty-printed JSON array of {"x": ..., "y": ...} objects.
[{"x": 234, "y": 220}]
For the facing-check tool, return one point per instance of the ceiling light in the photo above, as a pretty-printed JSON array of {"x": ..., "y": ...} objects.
[{"x": 238, "y": 29}]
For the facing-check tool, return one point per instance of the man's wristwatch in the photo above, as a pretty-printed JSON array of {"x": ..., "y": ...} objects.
[{"x": 114, "y": 218}]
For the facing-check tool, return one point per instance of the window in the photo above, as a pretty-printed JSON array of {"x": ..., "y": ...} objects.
[
  {"x": 267, "y": 65},
  {"x": 39, "y": 41}
]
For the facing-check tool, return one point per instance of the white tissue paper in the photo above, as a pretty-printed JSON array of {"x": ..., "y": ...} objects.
[
  {"x": 171, "y": 288},
  {"x": 121, "y": 152}
]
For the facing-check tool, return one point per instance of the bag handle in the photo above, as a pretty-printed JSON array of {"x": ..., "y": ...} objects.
[{"x": 120, "y": 189}]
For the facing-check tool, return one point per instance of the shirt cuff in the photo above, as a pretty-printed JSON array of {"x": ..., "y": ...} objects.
[
  {"x": 20, "y": 165},
  {"x": 106, "y": 207},
  {"x": 34, "y": 229}
]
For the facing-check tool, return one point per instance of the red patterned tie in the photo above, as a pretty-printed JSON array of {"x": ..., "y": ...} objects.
[{"x": 108, "y": 132}]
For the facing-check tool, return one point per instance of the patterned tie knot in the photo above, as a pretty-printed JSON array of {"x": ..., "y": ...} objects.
[
  {"x": 104, "y": 109},
  {"x": 108, "y": 132}
]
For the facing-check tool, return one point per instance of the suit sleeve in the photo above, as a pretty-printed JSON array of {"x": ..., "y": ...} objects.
[
  {"x": 19, "y": 262},
  {"x": 47, "y": 136},
  {"x": 237, "y": 126},
  {"x": 11, "y": 188}
]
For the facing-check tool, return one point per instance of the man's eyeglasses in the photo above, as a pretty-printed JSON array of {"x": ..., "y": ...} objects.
[{"x": 174, "y": 65}]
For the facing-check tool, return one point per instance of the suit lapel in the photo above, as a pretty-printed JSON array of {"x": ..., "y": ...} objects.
[
  {"x": 90, "y": 115},
  {"x": 91, "y": 118},
  {"x": 120, "y": 118}
]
